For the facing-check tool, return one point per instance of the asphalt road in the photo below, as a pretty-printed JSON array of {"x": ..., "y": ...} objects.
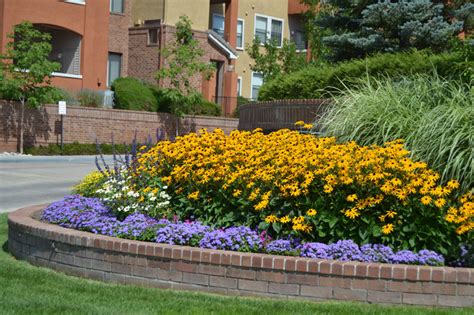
[{"x": 30, "y": 180}]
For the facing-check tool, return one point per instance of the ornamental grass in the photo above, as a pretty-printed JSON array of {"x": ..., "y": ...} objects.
[{"x": 295, "y": 185}]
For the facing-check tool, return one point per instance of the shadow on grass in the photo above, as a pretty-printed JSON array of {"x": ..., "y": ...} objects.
[{"x": 5, "y": 247}]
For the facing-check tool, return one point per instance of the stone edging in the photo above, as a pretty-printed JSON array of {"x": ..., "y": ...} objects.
[{"x": 180, "y": 267}]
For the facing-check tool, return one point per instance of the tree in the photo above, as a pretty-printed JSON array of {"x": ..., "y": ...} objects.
[
  {"x": 27, "y": 70},
  {"x": 272, "y": 60},
  {"x": 183, "y": 61},
  {"x": 365, "y": 27}
]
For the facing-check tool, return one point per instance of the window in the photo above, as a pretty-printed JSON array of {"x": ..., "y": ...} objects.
[
  {"x": 240, "y": 34},
  {"x": 239, "y": 86},
  {"x": 261, "y": 29},
  {"x": 114, "y": 67},
  {"x": 153, "y": 36},
  {"x": 117, "y": 6},
  {"x": 65, "y": 49},
  {"x": 269, "y": 28},
  {"x": 257, "y": 82},
  {"x": 299, "y": 38},
  {"x": 218, "y": 23}
]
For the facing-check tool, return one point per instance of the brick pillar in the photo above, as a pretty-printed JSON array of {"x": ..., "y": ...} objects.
[
  {"x": 230, "y": 24},
  {"x": 230, "y": 92}
]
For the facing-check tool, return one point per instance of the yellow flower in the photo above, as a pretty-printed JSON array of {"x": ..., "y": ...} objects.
[
  {"x": 352, "y": 213},
  {"x": 387, "y": 228},
  {"x": 237, "y": 193},
  {"x": 194, "y": 195},
  {"x": 285, "y": 219},
  {"x": 297, "y": 220},
  {"x": 426, "y": 200},
  {"x": 299, "y": 123},
  {"x": 328, "y": 189},
  {"x": 307, "y": 126},
  {"x": 351, "y": 198},
  {"x": 453, "y": 184},
  {"x": 440, "y": 202},
  {"x": 261, "y": 205},
  {"x": 271, "y": 218},
  {"x": 311, "y": 212}
]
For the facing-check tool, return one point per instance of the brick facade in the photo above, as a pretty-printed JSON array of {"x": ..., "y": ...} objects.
[
  {"x": 118, "y": 34},
  {"x": 186, "y": 268},
  {"x": 145, "y": 60},
  {"x": 85, "y": 125}
]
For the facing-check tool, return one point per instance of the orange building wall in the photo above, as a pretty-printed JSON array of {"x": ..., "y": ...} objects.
[
  {"x": 90, "y": 21},
  {"x": 296, "y": 7}
]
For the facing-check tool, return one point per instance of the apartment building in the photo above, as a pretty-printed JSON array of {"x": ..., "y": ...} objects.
[
  {"x": 96, "y": 41},
  {"x": 89, "y": 37},
  {"x": 237, "y": 22}
]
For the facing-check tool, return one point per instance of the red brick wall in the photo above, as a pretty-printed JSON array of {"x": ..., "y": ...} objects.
[
  {"x": 145, "y": 61},
  {"x": 118, "y": 34},
  {"x": 85, "y": 125},
  {"x": 143, "y": 58},
  {"x": 226, "y": 272}
]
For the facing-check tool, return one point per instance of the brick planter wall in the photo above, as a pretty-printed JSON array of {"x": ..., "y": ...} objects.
[{"x": 177, "y": 267}]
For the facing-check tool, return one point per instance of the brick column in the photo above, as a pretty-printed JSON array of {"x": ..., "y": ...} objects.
[
  {"x": 230, "y": 24},
  {"x": 230, "y": 91}
]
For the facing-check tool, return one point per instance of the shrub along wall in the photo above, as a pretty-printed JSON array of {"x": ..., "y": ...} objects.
[
  {"x": 85, "y": 125},
  {"x": 178, "y": 267}
]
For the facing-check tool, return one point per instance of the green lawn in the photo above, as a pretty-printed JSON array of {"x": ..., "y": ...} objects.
[{"x": 25, "y": 289}]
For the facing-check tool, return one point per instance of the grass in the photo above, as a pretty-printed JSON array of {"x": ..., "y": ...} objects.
[
  {"x": 435, "y": 118},
  {"x": 25, "y": 289}
]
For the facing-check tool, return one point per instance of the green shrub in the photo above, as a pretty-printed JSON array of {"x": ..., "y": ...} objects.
[
  {"x": 435, "y": 118},
  {"x": 322, "y": 81},
  {"x": 133, "y": 94},
  {"x": 76, "y": 148},
  {"x": 89, "y": 98},
  {"x": 57, "y": 94},
  {"x": 207, "y": 108},
  {"x": 172, "y": 101}
]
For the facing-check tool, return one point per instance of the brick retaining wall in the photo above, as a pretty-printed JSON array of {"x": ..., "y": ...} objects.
[
  {"x": 85, "y": 125},
  {"x": 179, "y": 267}
]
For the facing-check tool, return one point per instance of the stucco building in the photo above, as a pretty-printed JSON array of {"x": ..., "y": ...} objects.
[{"x": 238, "y": 22}]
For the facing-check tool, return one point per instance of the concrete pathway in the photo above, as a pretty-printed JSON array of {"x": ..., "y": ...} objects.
[{"x": 29, "y": 180}]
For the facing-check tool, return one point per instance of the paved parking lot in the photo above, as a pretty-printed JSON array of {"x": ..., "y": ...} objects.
[{"x": 29, "y": 180}]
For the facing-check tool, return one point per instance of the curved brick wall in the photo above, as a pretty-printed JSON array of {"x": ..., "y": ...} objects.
[{"x": 177, "y": 267}]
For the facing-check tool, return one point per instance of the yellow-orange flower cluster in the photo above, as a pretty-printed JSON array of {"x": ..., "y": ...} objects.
[{"x": 281, "y": 176}]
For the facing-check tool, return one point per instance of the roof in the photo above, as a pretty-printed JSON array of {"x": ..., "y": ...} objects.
[{"x": 222, "y": 44}]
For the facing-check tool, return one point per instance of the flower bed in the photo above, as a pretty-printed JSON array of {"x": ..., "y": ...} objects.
[
  {"x": 89, "y": 214},
  {"x": 322, "y": 198},
  {"x": 120, "y": 260}
]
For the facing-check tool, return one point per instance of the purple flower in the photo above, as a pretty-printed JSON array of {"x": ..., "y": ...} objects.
[
  {"x": 315, "y": 250},
  {"x": 234, "y": 238},
  {"x": 345, "y": 250},
  {"x": 136, "y": 226},
  {"x": 181, "y": 233},
  {"x": 280, "y": 247},
  {"x": 90, "y": 214},
  {"x": 428, "y": 257},
  {"x": 376, "y": 253},
  {"x": 404, "y": 257}
]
